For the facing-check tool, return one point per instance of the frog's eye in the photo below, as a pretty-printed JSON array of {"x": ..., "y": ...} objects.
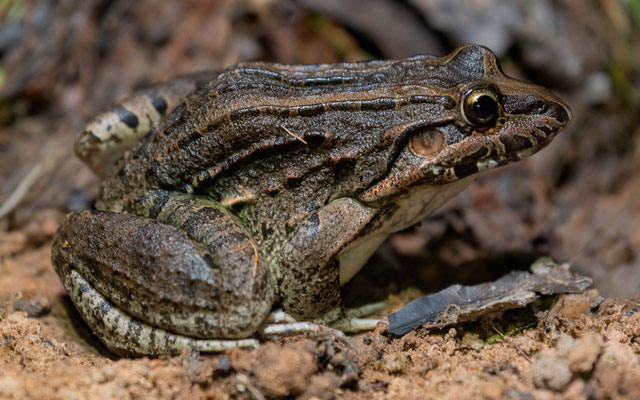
[{"x": 480, "y": 106}]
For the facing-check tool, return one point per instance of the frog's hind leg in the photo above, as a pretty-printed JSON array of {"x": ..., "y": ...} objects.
[
  {"x": 117, "y": 329},
  {"x": 105, "y": 138},
  {"x": 148, "y": 288}
]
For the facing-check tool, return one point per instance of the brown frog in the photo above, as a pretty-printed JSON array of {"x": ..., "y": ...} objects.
[{"x": 275, "y": 183}]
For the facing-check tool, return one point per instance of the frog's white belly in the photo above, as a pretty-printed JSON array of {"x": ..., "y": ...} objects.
[{"x": 410, "y": 208}]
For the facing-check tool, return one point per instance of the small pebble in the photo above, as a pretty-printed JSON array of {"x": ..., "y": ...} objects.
[{"x": 551, "y": 373}]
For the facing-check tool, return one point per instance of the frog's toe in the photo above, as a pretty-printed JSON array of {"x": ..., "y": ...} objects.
[
  {"x": 128, "y": 336},
  {"x": 279, "y": 323},
  {"x": 348, "y": 320},
  {"x": 352, "y": 325},
  {"x": 367, "y": 309},
  {"x": 297, "y": 328}
]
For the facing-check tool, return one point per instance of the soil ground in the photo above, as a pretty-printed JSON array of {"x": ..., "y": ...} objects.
[{"x": 576, "y": 201}]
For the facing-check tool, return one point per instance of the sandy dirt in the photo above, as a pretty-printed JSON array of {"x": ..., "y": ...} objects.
[{"x": 576, "y": 201}]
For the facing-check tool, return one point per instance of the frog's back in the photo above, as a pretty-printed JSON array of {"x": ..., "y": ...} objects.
[{"x": 327, "y": 114}]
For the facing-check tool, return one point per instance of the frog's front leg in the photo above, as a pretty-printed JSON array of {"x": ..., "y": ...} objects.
[
  {"x": 309, "y": 279},
  {"x": 148, "y": 287}
]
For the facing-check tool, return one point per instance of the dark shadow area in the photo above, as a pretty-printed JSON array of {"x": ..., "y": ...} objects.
[
  {"x": 390, "y": 274},
  {"x": 81, "y": 329}
]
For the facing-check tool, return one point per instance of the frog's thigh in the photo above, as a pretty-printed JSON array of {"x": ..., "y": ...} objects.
[
  {"x": 309, "y": 284},
  {"x": 162, "y": 275}
]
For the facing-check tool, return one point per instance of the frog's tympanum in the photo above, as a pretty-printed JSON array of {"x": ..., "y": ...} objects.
[{"x": 275, "y": 183}]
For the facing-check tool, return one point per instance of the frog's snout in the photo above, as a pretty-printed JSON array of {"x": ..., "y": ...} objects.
[
  {"x": 549, "y": 106},
  {"x": 559, "y": 111}
]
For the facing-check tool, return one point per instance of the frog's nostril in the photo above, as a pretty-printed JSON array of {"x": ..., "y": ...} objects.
[
  {"x": 557, "y": 111},
  {"x": 560, "y": 112}
]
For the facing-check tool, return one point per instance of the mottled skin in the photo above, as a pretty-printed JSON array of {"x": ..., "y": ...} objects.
[{"x": 276, "y": 183}]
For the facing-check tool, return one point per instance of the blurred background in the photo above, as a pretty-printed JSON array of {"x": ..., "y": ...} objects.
[{"x": 577, "y": 201}]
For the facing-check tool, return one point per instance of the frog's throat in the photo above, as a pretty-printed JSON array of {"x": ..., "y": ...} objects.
[{"x": 406, "y": 210}]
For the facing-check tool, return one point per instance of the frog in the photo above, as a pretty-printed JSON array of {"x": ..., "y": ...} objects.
[{"x": 266, "y": 184}]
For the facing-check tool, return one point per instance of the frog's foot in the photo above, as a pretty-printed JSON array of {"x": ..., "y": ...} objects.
[
  {"x": 338, "y": 321},
  {"x": 279, "y": 323},
  {"x": 348, "y": 320},
  {"x": 352, "y": 325},
  {"x": 352, "y": 314},
  {"x": 128, "y": 336},
  {"x": 366, "y": 309}
]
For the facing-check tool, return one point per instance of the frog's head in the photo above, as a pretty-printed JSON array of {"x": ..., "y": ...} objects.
[{"x": 491, "y": 120}]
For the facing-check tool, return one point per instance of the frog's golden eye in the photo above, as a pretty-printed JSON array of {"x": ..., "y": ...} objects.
[{"x": 480, "y": 106}]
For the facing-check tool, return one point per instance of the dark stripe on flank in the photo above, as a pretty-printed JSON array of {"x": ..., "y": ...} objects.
[
  {"x": 103, "y": 308},
  {"x": 310, "y": 110},
  {"x": 152, "y": 337},
  {"x": 160, "y": 200},
  {"x": 208, "y": 258},
  {"x": 127, "y": 117},
  {"x": 159, "y": 103},
  {"x": 197, "y": 220}
]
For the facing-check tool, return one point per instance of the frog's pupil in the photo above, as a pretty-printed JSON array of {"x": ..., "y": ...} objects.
[{"x": 485, "y": 107}]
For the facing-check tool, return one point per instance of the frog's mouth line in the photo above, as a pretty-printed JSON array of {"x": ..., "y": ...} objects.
[
  {"x": 490, "y": 162},
  {"x": 447, "y": 171},
  {"x": 534, "y": 141}
]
